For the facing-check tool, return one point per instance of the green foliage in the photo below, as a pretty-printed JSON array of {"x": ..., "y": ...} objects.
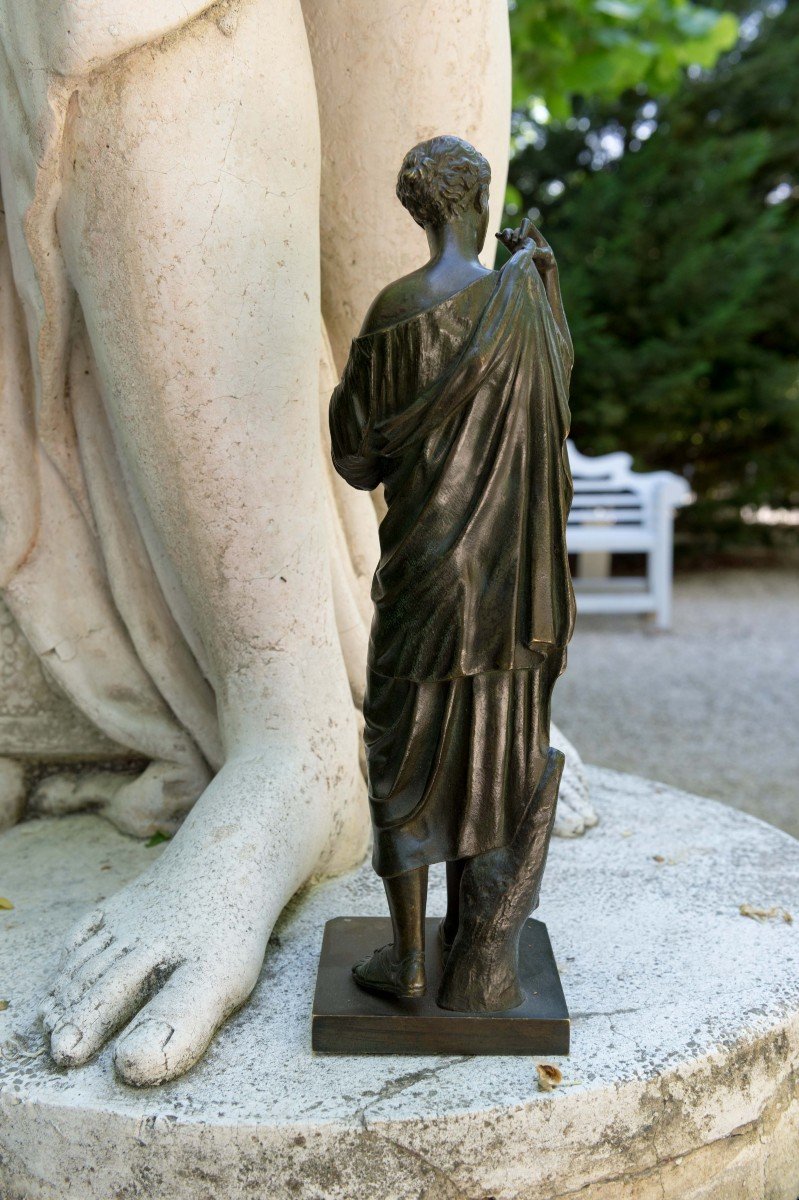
[
  {"x": 157, "y": 839},
  {"x": 679, "y": 262},
  {"x": 598, "y": 48}
]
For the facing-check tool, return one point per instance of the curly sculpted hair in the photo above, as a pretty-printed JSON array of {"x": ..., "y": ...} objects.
[{"x": 439, "y": 178}]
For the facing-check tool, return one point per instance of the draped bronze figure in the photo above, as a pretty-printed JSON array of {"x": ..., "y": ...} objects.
[{"x": 455, "y": 398}]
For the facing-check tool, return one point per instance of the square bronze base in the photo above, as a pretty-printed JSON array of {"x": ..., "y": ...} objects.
[{"x": 348, "y": 1020}]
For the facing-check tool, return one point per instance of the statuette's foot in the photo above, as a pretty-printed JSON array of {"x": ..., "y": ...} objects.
[{"x": 384, "y": 972}]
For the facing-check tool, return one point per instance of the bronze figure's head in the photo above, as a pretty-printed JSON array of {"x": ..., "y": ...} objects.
[{"x": 445, "y": 180}]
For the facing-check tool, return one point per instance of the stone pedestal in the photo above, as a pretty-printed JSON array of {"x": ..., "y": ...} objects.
[{"x": 681, "y": 1085}]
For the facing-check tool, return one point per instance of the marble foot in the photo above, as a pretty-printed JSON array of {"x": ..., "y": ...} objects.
[
  {"x": 171, "y": 956},
  {"x": 576, "y": 812},
  {"x": 141, "y": 803}
]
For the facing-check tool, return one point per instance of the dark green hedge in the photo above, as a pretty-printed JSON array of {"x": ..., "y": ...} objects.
[{"x": 679, "y": 265}]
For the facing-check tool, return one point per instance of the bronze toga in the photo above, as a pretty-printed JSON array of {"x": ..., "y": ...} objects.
[{"x": 462, "y": 413}]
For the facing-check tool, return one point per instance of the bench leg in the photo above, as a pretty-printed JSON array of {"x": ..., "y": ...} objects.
[{"x": 660, "y": 568}]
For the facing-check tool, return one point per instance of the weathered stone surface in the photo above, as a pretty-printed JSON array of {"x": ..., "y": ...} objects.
[
  {"x": 682, "y": 1084},
  {"x": 12, "y": 792},
  {"x": 36, "y": 721}
]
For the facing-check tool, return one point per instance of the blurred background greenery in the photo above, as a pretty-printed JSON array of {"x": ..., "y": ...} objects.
[{"x": 656, "y": 143}]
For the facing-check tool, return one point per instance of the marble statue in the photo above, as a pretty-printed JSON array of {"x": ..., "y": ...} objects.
[{"x": 180, "y": 273}]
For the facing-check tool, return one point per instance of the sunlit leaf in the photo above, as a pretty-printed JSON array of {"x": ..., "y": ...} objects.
[
  {"x": 619, "y": 8},
  {"x": 600, "y": 48},
  {"x": 513, "y": 198}
]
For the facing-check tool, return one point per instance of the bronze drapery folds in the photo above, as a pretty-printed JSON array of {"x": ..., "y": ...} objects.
[{"x": 459, "y": 407}]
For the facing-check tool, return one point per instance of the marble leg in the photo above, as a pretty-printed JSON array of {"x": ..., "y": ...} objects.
[{"x": 190, "y": 227}]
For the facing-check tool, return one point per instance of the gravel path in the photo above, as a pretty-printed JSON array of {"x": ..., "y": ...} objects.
[{"x": 712, "y": 707}]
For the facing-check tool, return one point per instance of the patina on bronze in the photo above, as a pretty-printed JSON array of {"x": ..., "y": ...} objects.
[{"x": 455, "y": 398}]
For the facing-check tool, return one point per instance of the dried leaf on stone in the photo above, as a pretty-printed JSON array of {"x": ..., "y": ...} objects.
[
  {"x": 4, "y": 1004},
  {"x": 776, "y": 913},
  {"x": 549, "y": 1076},
  {"x": 5, "y": 904}
]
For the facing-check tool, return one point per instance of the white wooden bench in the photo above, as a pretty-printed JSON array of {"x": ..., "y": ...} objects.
[{"x": 620, "y": 511}]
